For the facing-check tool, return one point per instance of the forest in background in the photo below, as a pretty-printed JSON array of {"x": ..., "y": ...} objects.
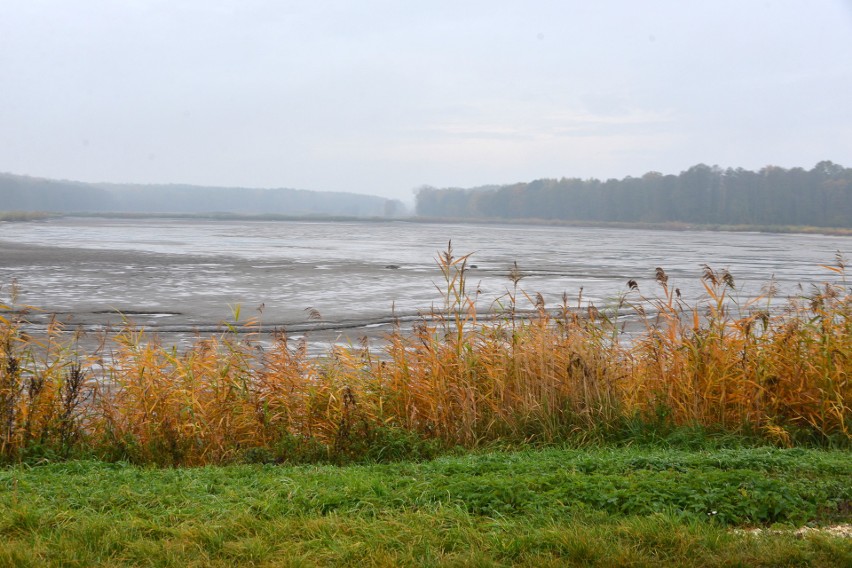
[
  {"x": 701, "y": 195},
  {"x": 24, "y": 193}
]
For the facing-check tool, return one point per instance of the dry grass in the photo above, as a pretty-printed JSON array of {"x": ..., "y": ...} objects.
[{"x": 455, "y": 380}]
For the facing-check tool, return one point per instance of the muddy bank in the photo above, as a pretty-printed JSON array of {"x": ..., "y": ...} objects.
[
  {"x": 180, "y": 297},
  {"x": 340, "y": 281}
]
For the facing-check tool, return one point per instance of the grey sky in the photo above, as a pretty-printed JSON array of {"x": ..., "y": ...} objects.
[{"x": 380, "y": 96}]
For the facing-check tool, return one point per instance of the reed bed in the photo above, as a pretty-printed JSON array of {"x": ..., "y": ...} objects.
[{"x": 528, "y": 373}]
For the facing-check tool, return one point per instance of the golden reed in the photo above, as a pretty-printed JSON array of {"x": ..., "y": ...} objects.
[{"x": 518, "y": 375}]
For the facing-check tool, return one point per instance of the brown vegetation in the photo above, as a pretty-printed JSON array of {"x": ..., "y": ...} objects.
[{"x": 563, "y": 374}]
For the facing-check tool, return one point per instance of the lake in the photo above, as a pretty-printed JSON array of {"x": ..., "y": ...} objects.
[{"x": 186, "y": 276}]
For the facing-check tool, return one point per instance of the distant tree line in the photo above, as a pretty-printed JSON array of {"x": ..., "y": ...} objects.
[
  {"x": 24, "y": 193},
  {"x": 702, "y": 194}
]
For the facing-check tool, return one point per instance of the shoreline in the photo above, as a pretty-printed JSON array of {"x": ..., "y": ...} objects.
[{"x": 674, "y": 226}]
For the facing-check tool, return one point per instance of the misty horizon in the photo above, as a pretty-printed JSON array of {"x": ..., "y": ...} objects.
[
  {"x": 407, "y": 200},
  {"x": 773, "y": 197}
]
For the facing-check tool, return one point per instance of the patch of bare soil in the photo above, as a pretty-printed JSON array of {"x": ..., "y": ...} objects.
[{"x": 839, "y": 531}]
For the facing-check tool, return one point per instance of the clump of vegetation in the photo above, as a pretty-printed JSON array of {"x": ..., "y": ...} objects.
[{"x": 537, "y": 375}]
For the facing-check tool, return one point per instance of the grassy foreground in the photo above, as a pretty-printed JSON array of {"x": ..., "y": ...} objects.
[{"x": 595, "y": 507}]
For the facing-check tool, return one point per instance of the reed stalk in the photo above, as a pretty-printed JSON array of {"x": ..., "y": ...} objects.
[{"x": 457, "y": 379}]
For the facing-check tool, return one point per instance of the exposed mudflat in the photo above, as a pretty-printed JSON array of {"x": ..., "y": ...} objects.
[
  {"x": 340, "y": 281},
  {"x": 179, "y": 297}
]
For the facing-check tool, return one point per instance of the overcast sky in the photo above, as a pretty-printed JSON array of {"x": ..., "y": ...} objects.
[{"x": 381, "y": 97}]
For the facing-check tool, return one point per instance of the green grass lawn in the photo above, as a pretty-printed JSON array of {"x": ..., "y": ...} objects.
[{"x": 598, "y": 507}]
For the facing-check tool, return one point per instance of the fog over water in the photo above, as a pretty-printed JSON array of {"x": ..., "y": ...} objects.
[{"x": 184, "y": 277}]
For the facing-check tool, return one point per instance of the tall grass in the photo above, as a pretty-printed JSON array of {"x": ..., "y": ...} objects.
[{"x": 524, "y": 373}]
